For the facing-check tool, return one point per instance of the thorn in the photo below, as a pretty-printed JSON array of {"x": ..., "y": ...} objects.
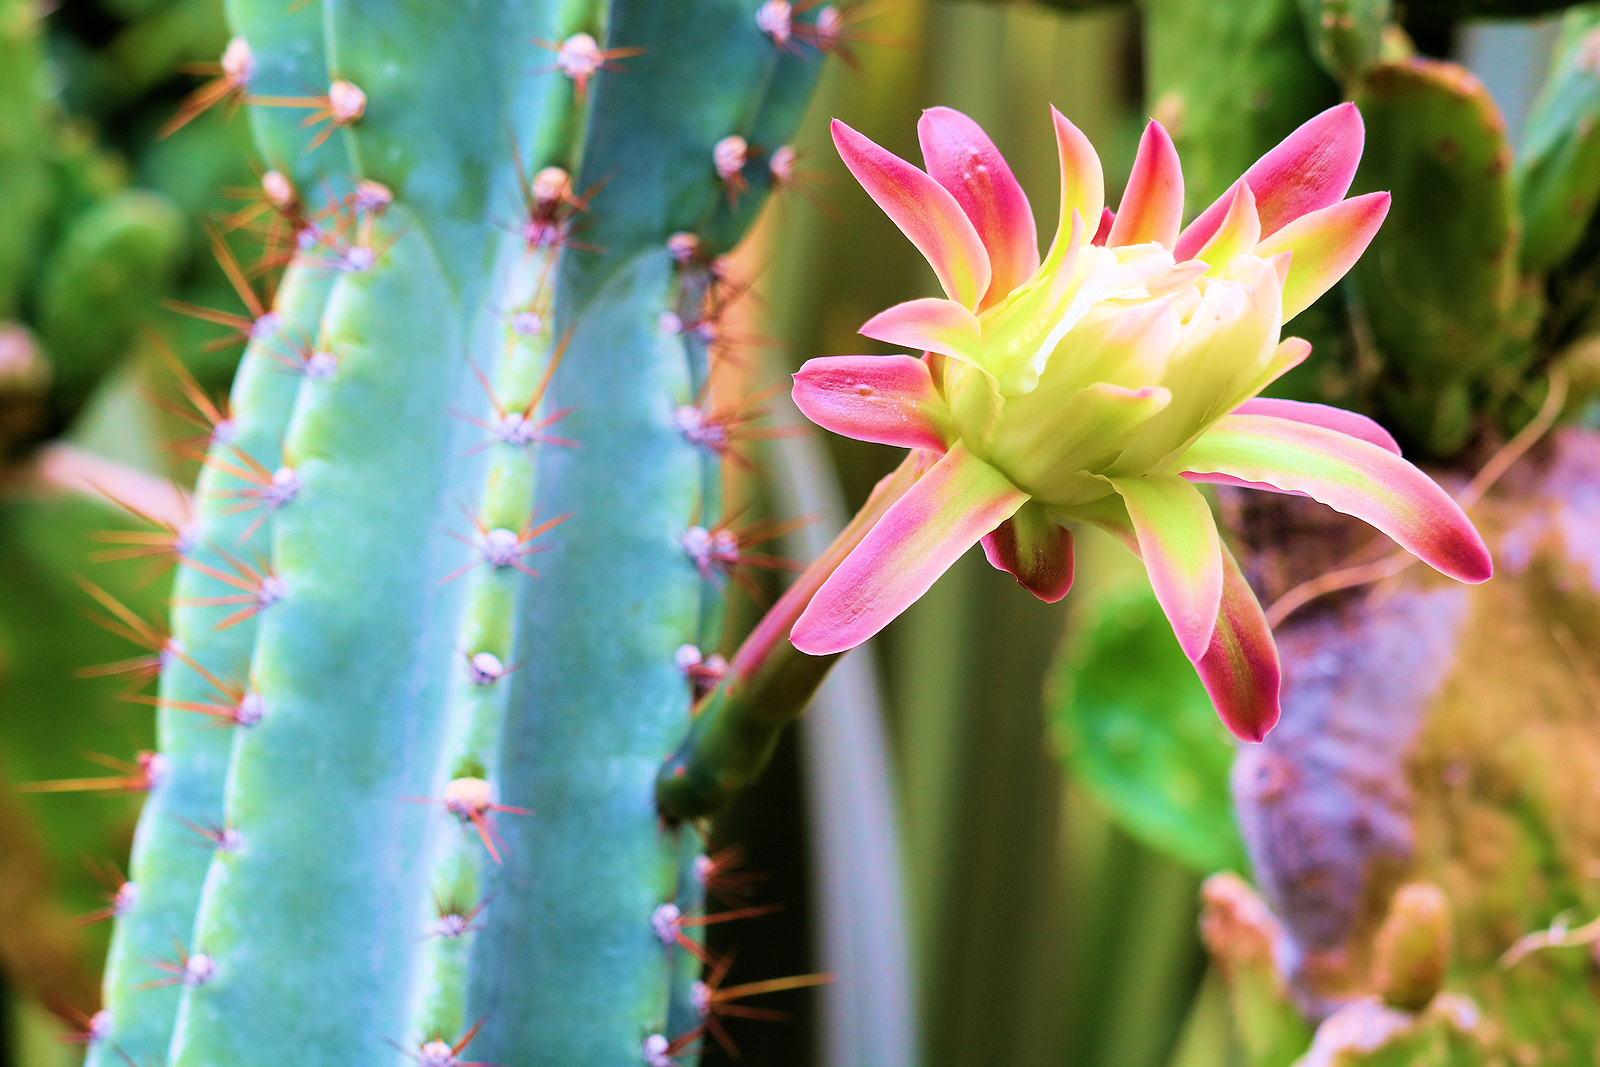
[
  {"x": 657, "y": 1051},
  {"x": 304, "y": 358},
  {"x": 267, "y": 490},
  {"x": 500, "y": 547},
  {"x": 518, "y": 427},
  {"x": 223, "y": 837},
  {"x": 471, "y": 800},
  {"x": 718, "y": 430},
  {"x": 713, "y": 1003},
  {"x": 211, "y": 416},
  {"x": 91, "y": 1029},
  {"x": 668, "y": 922},
  {"x": 729, "y": 157},
  {"x": 454, "y": 920},
  {"x": 784, "y": 167},
  {"x": 720, "y": 552},
  {"x": 189, "y": 970},
  {"x": 549, "y": 206},
  {"x": 260, "y": 323},
  {"x": 703, "y": 672},
  {"x": 343, "y": 105},
  {"x": 122, "y": 898},
  {"x": 436, "y": 1052},
  {"x": 831, "y": 32},
  {"x": 150, "y": 635},
  {"x": 580, "y": 57},
  {"x": 260, "y": 587},
  {"x": 719, "y": 875},
  {"x": 234, "y": 72},
  {"x": 146, "y": 774},
  {"x": 240, "y": 706}
]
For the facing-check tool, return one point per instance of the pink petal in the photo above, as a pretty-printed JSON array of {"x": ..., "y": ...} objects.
[
  {"x": 1326, "y": 243},
  {"x": 1240, "y": 666},
  {"x": 1330, "y": 418},
  {"x": 890, "y": 400},
  {"x": 1351, "y": 476},
  {"x": 1083, "y": 185},
  {"x": 928, "y": 325},
  {"x": 1309, "y": 169},
  {"x": 925, "y": 212},
  {"x": 960, "y": 157},
  {"x": 945, "y": 513},
  {"x": 1152, "y": 205},
  {"x": 1107, "y": 217},
  {"x": 1035, "y": 549},
  {"x": 1239, "y": 232},
  {"x": 1182, "y": 553}
]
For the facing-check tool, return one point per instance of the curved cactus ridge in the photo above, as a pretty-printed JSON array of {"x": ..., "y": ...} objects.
[{"x": 432, "y": 814}]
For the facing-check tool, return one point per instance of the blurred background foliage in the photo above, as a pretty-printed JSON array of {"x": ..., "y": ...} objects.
[{"x": 1057, "y": 777}]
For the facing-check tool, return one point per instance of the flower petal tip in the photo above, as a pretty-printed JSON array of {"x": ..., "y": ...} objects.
[{"x": 1034, "y": 550}]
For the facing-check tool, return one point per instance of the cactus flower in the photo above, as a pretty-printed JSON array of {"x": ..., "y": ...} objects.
[{"x": 1099, "y": 384}]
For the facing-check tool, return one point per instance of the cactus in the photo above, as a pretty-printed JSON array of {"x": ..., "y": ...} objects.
[{"x": 432, "y": 809}]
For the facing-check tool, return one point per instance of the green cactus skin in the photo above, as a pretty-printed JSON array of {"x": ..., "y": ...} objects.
[
  {"x": 1439, "y": 284},
  {"x": 1346, "y": 35},
  {"x": 24, "y": 177},
  {"x": 104, "y": 277},
  {"x": 350, "y": 665},
  {"x": 286, "y": 45},
  {"x": 167, "y": 865},
  {"x": 1558, "y": 168},
  {"x": 1222, "y": 125},
  {"x": 619, "y": 595}
]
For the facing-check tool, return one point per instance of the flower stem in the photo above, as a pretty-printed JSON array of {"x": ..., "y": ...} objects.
[{"x": 770, "y": 682}]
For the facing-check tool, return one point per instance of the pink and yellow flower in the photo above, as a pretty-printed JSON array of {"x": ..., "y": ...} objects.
[{"x": 1099, "y": 384}]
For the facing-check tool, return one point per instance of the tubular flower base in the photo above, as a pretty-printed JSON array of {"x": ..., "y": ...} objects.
[{"x": 1099, "y": 384}]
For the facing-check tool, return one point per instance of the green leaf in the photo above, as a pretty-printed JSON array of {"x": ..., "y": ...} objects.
[
  {"x": 1136, "y": 729},
  {"x": 1558, "y": 168}
]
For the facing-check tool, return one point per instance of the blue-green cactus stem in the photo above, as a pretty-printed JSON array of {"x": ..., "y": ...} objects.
[
  {"x": 570, "y": 936},
  {"x": 167, "y": 865},
  {"x": 480, "y": 682},
  {"x": 461, "y": 862},
  {"x": 283, "y": 55},
  {"x": 350, "y": 665}
]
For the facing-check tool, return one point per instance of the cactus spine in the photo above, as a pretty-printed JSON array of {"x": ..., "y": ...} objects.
[{"x": 403, "y": 653}]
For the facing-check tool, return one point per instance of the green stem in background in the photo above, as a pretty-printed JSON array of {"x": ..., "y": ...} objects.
[{"x": 769, "y": 683}]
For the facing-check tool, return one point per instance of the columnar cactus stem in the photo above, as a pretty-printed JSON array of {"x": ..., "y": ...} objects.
[
  {"x": 351, "y": 664},
  {"x": 166, "y": 865},
  {"x": 619, "y": 596}
]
